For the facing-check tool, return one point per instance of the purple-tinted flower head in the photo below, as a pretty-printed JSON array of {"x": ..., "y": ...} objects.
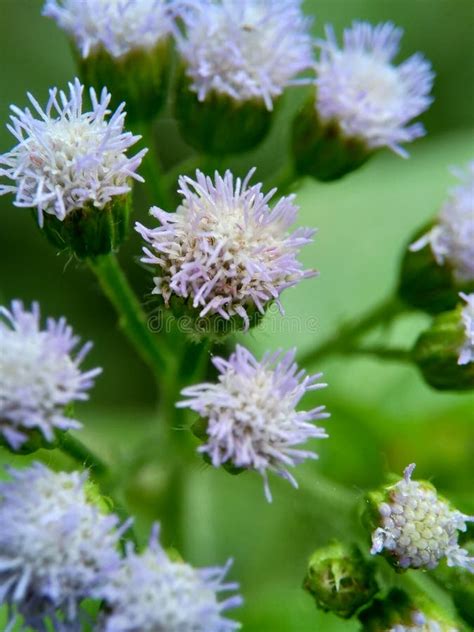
[
  {"x": 118, "y": 26},
  {"x": 55, "y": 545},
  {"x": 245, "y": 49},
  {"x": 452, "y": 238},
  {"x": 466, "y": 354},
  {"x": 225, "y": 249},
  {"x": 368, "y": 97},
  {"x": 150, "y": 592},
  {"x": 251, "y": 413},
  {"x": 39, "y": 374},
  {"x": 67, "y": 158},
  {"x": 418, "y": 528}
]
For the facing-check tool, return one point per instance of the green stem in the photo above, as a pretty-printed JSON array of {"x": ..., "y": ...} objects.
[
  {"x": 384, "y": 353},
  {"x": 82, "y": 454},
  {"x": 132, "y": 319},
  {"x": 343, "y": 340}
]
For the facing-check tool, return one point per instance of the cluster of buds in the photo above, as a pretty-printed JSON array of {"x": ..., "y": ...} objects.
[{"x": 437, "y": 276}]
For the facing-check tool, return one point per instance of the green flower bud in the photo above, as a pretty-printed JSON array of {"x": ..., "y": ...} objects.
[
  {"x": 90, "y": 231},
  {"x": 140, "y": 77},
  {"x": 340, "y": 579},
  {"x": 398, "y": 609},
  {"x": 320, "y": 149},
  {"x": 438, "y": 353},
  {"x": 427, "y": 285},
  {"x": 219, "y": 124}
]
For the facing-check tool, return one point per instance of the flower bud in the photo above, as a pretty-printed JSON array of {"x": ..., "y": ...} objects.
[
  {"x": 399, "y": 612},
  {"x": 414, "y": 527},
  {"x": 321, "y": 150},
  {"x": 219, "y": 124},
  {"x": 444, "y": 352},
  {"x": 427, "y": 285},
  {"x": 440, "y": 261},
  {"x": 340, "y": 580}
]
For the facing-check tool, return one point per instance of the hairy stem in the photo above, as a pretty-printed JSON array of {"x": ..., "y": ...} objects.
[
  {"x": 343, "y": 340},
  {"x": 75, "y": 449},
  {"x": 132, "y": 319}
]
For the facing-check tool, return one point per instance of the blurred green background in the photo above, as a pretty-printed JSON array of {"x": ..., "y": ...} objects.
[{"x": 383, "y": 416}]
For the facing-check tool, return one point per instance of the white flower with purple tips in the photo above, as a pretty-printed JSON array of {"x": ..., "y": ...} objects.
[
  {"x": 224, "y": 249},
  {"x": 39, "y": 374},
  {"x": 149, "y": 591},
  {"x": 418, "y": 528},
  {"x": 369, "y": 98},
  {"x": 118, "y": 26},
  {"x": 452, "y": 237},
  {"x": 67, "y": 158},
  {"x": 252, "y": 421},
  {"x": 466, "y": 354},
  {"x": 55, "y": 545},
  {"x": 245, "y": 49}
]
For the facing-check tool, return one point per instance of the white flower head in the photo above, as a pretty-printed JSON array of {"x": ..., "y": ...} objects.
[
  {"x": 364, "y": 93},
  {"x": 225, "y": 249},
  {"x": 452, "y": 238},
  {"x": 245, "y": 49},
  {"x": 420, "y": 622},
  {"x": 251, "y": 413},
  {"x": 466, "y": 354},
  {"x": 39, "y": 374},
  {"x": 418, "y": 528},
  {"x": 150, "y": 593},
  {"x": 55, "y": 545},
  {"x": 118, "y": 26},
  {"x": 65, "y": 158}
]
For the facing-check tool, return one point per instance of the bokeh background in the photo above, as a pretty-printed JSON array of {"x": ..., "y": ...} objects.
[{"x": 383, "y": 415}]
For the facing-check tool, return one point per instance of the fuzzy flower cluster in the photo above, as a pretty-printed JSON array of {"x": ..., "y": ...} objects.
[
  {"x": 39, "y": 374},
  {"x": 225, "y": 249},
  {"x": 252, "y": 421},
  {"x": 360, "y": 89},
  {"x": 418, "y": 528},
  {"x": 65, "y": 158},
  {"x": 466, "y": 354},
  {"x": 149, "y": 591},
  {"x": 118, "y": 26},
  {"x": 245, "y": 49},
  {"x": 452, "y": 238},
  {"x": 56, "y": 547}
]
